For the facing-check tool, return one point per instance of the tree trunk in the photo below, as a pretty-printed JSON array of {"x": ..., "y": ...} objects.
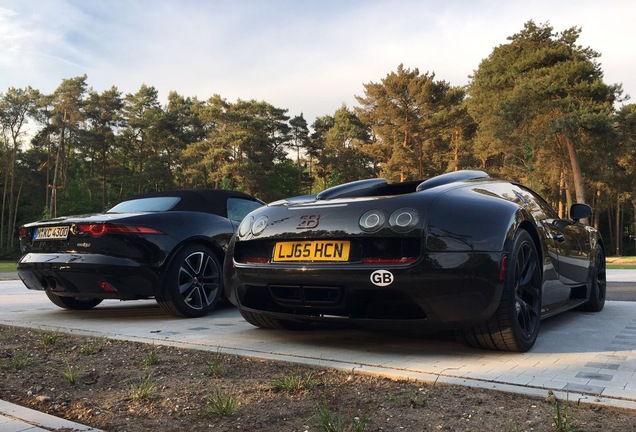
[
  {"x": 618, "y": 230},
  {"x": 421, "y": 161},
  {"x": 48, "y": 172},
  {"x": 15, "y": 214},
  {"x": 12, "y": 200},
  {"x": 56, "y": 170},
  {"x": 561, "y": 194},
  {"x": 568, "y": 198},
  {"x": 597, "y": 217},
  {"x": 633, "y": 237},
  {"x": 610, "y": 225},
  {"x": 634, "y": 207},
  {"x": 405, "y": 144},
  {"x": 455, "y": 141},
  {"x": 3, "y": 209},
  {"x": 577, "y": 174},
  {"x": 103, "y": 180}
]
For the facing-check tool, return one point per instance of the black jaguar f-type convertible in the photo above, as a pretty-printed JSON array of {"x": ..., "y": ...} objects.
[
  {"x": 164, "y": 245},
  {"x": 486, "y": 257}
]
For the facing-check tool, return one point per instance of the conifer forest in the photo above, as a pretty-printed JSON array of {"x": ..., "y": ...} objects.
[{"x": 537, "y": 110}]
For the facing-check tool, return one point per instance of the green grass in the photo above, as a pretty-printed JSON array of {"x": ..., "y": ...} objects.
[
  {"x": 222, "y": 403},
  {"x": 19, "y": 360},
  {"x": 152, "y": 358},
  {"x": 7, "y": 333},
  {"x": 93, "y": 346},
  {"x": 621, "y": 266},
  {"x": 563, "y": 421},
  {"x": 213, "y": 367},
  {"x": 70, "y": 372},
  {"x": 330, "y": 421},
  {"x": 621, "y": 262},
  {"x": 294, "y": 383},
  {"x": 48, "y": 337},
  {"x": 7, "y": 266},
  {"x": 143, "y": 390}
]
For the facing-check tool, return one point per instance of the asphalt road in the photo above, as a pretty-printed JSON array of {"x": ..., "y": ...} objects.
[{"x": 621, "y": 291}]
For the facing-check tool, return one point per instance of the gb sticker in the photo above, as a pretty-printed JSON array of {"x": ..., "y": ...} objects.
[{"x": 382, "y": 278}]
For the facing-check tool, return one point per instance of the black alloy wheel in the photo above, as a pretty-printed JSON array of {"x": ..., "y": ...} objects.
[
  {"x": 192, "y": 284},
  {"x": 598, "y": 291},
  {"x": 515, "y": 324}
]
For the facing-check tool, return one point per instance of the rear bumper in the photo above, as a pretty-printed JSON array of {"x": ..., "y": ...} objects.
[
  {"x": 88, "y": 275},
  {"x": 444, "y": 290}
]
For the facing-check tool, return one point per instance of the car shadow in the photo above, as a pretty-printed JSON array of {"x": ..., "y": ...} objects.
[{"x": 570, "y": 332}]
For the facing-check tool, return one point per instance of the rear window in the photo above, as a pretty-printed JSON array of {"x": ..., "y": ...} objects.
[
  {"x": 238, "y": 208},
  {"x": 156, "y": 204}
]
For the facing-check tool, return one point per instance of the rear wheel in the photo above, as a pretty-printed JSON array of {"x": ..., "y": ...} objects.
[
  {"x": 265, "y": 321},
  {"x": 192, "y": 284},
  {"x": 515, "y": 324},
  {"x": 74, "y": 303},
  {"x": 596, "y": 302}
]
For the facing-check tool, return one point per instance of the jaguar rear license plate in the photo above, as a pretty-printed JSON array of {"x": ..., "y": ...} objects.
[
  {"x": 51, "y": 233},
  {"x": 329, "y": 250}
]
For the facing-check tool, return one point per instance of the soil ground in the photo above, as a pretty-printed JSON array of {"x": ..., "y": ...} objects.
[{"x": 127, "y": 386}]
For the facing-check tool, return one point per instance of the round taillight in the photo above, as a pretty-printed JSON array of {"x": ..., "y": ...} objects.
[
  {"x": 245, "y": 226},
  {"x": 259, "y": 225},
  {"x": 372, "y": 221},
  {"x": 404, "y": 219}
]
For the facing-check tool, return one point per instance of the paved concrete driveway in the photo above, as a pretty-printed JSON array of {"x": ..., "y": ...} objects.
[{"x": 589, "y": 357}]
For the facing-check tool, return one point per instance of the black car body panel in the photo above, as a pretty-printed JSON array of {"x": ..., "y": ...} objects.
[
  {"x": 77, "y": 265},
  {"x": 131, "y": 259},
  {"x": 445, "y": 271}
]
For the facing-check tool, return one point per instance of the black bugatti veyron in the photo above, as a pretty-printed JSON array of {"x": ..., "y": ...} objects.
[
  {"x": 164, "y": 245},
  {"x": 486, "y": 257}
]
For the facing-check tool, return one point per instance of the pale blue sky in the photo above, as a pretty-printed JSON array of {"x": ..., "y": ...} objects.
[{"x": 304, "y": 56}]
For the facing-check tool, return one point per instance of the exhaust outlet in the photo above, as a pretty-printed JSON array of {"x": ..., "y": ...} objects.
[{"x": 49, "y": 283}]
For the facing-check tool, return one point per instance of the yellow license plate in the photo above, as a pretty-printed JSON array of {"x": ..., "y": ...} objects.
[{"x": 330, "y": 250}]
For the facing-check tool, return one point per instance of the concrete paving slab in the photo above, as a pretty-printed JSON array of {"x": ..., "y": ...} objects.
[
  {"x": 567, "y": 357},
  {"x": 621, "y": 275},
  {"x": 15, "y": 418}
]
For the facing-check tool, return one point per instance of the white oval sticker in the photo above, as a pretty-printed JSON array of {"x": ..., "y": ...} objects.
[{"x": 382, "y": 278}]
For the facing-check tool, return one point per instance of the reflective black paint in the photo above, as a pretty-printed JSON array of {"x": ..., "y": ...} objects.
[
  {"x": 126, "y": 266},
  {"x": 465, "y": 233}
]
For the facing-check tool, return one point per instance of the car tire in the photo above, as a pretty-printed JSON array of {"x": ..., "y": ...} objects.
[
  {"x": 74, "y": 303},
  {"x": 596, "y": 302},
  {"x": 268, "y": 322},
  {"x": 192, "y": 283},
  {"x": 515, "y": 324}
]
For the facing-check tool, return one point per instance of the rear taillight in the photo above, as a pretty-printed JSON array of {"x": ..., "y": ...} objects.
[
  {"x": 502, "y": 267},
  {"x": 256, "y": 260},
  {"x": 97, "y": 230},
  {"x": 23, "y": 232},
  {"x": 106, "y": 286}
]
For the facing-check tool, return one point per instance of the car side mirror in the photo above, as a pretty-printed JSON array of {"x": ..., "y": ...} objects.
[{"x": 580, "y": 211}]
